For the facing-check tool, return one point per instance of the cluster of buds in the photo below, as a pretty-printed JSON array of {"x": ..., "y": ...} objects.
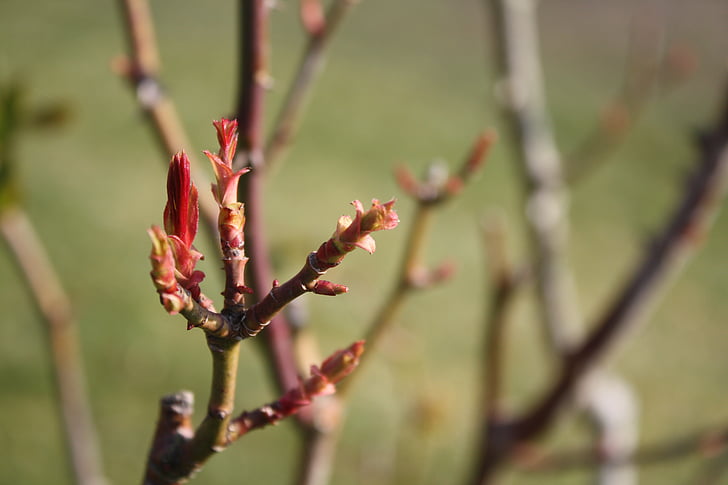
[
  {"x": 323, "y": 379},
  {"x": 438, "y": 185},
  {"x": 321, "y": 383},
  {"x": 356, "y": 233},
  {"x": 173, "y": 256}
]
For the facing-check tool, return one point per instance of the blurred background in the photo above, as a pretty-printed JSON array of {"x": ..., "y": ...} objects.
[{"x": 406, "y": 82}]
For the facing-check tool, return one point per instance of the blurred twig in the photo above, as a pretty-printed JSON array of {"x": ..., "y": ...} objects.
[
  {"x": 546, "y": 202},
  {"x": 54, "y": 307},
  {"x": 652, "y": 68},
  {"x": 437, "y": 188},
  {"x": 546, "y": 208},
  {"x": 320, "y": 28},
  {"x": 505, "y": 280},
  {"x": 705, "y": 443},
  {"x": 45, "y": 288},
  {"x": 141, "y": 69},
  {"x": 684, "y": 230}
]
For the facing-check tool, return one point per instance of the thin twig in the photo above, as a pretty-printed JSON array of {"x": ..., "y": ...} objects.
[
  {"x": 310, "y": 66},
  {"x": 704, "y": 443},
  {"x": 505, "y": 280},
  {"x": 434, "y": 191},
  {"x": 54, "y": 307},
  {"x": 142, "y": 71},
  {"x": 647, "y": 54}
]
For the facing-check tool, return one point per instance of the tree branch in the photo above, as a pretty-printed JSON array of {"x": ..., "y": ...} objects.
[
  {"x": 178, "y": 452},
  {"x": 546, "y": 203},
  {"x": 436, "y": 189},
  {"x": 141, "y": 69},
  {"x": 311, "y": 64},
  {"x": 684, "y": 231},
  {"x": 54, "y": 307},
  {"x": 705, "y": 444}
]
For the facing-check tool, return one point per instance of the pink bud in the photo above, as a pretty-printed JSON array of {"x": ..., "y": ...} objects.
[
  {"x": 181, "y": 213},
  {"x": 343, "y": 362},
  {"x": 227, "y": 137},
  {"x": 312, "y": 17},
  {"x": 327, "y": 288},
  {"x": 226, "y": 189},
  {"x": 163, "y": 271}
]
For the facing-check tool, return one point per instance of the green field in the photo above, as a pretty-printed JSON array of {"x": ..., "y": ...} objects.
[{"x": 406, "y": 82}]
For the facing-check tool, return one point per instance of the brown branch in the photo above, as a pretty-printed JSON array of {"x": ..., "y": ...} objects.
[
  {"x": 310, "y": 66},
  {"x": 505, "y": 281},
  {"x": 684, "y": 231},
  {"x": 173, "y": 433},
  {"x": 54, "y": 307},
  {"x": 691, "y": 217},
  {"x": 141, "y": 69},
  {"x": 705, "y": 444}
]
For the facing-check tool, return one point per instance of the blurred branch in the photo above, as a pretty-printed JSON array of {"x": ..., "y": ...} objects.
[
  {"x": 321, "y": 30},
  {"x": 53, "y": 305},
  {"x": 45, "y": 288},
  {"x": 705, "y": 444},
  {"x": 546, "y": 202},
  {"x": 684, "y": 230},
  {"x": 504, "y": 283},
  {"x": 436, "y": 189},
  {"x": 546, "y": 210},
  {"x": 141, "y": 69},
  {"x": 646, "y": 56}
]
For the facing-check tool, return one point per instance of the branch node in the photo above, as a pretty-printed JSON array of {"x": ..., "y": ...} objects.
[{"x": 149, "y": 92}]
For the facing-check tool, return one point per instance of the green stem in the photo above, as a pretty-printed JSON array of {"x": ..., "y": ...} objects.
[{"x": 211, "y": 435}]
